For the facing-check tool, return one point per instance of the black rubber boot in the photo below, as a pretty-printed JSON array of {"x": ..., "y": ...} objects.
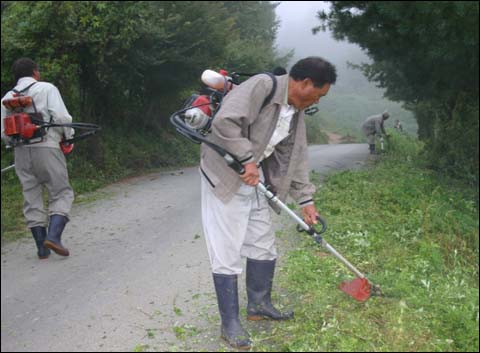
[
  {"x": 54, "y": 236},
  {"x": 372, "y": 149},
  {"x": 39, "y": 234},
  {"x": 259, "y": 290},
  {"x": 227, "y": 296}
]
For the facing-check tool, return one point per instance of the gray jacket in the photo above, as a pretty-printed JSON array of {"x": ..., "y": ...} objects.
[
  {"x": 373, "y": 125},
  {"x": 244, "y": 129}
]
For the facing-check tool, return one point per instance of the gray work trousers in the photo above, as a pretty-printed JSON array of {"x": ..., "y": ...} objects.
[
  {"x": 370, "y": 136},
  {"x": 39, "y": 167},
  {"x": 239, "y": 228},
  {"x": 371, "y": 139}
]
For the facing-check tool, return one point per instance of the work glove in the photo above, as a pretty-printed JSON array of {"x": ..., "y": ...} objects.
[
  {"x": 66, "y": 148},
  {"x": 68, "y": 133}
]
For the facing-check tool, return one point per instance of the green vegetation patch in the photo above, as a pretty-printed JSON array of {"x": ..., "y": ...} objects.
[{"x": 410, "y": 232}]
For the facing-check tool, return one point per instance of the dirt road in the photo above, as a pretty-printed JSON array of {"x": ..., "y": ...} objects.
[{"x": 138, "y": 277}]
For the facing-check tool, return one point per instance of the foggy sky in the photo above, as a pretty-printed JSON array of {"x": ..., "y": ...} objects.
[{"x": 297, "y": 18}]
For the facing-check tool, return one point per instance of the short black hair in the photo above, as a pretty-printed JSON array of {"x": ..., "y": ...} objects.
[
  {"x": 319, "y": 70},
  {"x": 24, "y": 67}
]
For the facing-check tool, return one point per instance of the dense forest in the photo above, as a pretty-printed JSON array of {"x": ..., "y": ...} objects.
[{"x": 127, "y": 65}]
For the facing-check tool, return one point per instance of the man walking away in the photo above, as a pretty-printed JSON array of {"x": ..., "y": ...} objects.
[{"x": 42, "y": 164}]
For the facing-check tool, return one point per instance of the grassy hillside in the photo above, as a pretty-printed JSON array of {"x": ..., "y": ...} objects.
[{"x": 411, "y": 232}]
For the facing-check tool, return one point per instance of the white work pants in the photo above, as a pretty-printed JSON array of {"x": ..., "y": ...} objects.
[{"x": 239, "y": 228}]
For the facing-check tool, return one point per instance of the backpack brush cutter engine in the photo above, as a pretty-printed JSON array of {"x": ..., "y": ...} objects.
[
  {"x": 28, "y": 128},
  {"x": 360, "y": 288}
]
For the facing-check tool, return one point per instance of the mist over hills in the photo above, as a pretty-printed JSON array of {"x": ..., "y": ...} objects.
[{"x": 353, "y": 98}]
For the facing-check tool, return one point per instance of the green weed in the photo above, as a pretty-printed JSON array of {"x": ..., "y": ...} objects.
[
  {"x": 410, "y": 231},
  {"x": 183, "y": 331}
]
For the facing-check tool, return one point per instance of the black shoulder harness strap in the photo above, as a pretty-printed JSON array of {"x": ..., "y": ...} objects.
[
  {"x": 23, "y": 90},
  {"x": 271, "y": 75},
  {"x": 269, "y": 97},
  {"x": 274, "y": 88}
]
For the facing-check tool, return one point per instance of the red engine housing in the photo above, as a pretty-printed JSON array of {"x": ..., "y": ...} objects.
[
  {"x": 18, "y": 102},
  {"x": 20, "y": 125},
  {"x": 204, "y": 104}
]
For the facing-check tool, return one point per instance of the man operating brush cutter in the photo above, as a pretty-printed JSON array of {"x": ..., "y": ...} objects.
[
  {"x": 261, "y": 120},
  {"x": 36, "y": 123}
]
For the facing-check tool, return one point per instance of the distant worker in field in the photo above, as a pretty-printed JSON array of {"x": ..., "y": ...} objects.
[
  {"x": 374, "y": 125},
  {"x": 40, "y": 162},
  {"x": 398, "y": 126}
]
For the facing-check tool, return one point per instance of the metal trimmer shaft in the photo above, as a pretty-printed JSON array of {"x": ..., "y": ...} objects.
[{"x": 270, "y": 196}]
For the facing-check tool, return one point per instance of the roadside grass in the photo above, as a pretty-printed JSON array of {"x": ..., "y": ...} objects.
[{"x": 411, "y": 232}]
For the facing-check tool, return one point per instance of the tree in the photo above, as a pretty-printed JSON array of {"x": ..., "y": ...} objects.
[
  {"x": 425, "y": 53},
  {"x": 128, "y": 64},
  {"x": 254, "y": 50}
]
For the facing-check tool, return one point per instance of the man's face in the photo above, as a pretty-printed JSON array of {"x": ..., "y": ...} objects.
[{"x": 305, "y": 94}]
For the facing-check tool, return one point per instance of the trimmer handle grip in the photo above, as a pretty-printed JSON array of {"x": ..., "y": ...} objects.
[
  {"x": 312, "y": 230},
  {"x": 324, "y": 225}
]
